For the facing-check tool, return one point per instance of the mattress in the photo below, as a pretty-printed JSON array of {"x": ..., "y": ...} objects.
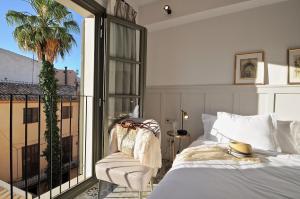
[{"x": 278, "y": 176}]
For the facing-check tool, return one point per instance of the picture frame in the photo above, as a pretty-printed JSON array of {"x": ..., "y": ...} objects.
[
  {"x": 293, "y": 66},
  {"x": 249, "y": 68}
]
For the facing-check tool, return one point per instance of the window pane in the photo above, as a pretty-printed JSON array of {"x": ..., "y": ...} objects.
[
  {"x": 66, "y": 112},
  {"x": 123, "y": 78},
  {"x": 32, "y": 115},
  {"x": 35, "y": 115},
  {"x": 124, "y": 42},
  {"x": 120, "y": 107},
  {"x": 24, "y": 116},
  {"x": 67, "y": 149},
  {"x": 32, "y": 161}
]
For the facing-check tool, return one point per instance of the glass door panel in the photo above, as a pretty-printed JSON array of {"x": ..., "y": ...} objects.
[
  {"x": 125, "y": 71},
  {"x": 123, "y": 78},
  {"x": 119, "y": 107},
  {"x": 124, "y": 42}
]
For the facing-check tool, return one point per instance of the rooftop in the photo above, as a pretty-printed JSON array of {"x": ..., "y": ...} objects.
[{"x": 19, "y": 90}]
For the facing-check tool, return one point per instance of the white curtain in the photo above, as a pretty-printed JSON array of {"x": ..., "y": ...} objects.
[
  {"x": 123, "y": 76},
  {"x": 121, "y": 9}
]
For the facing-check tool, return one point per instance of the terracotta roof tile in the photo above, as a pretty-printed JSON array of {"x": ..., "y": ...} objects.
[{"x": 32, "y": 90}]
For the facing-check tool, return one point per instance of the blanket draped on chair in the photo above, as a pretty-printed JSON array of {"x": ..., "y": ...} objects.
[{"x": 146, "y": 147}]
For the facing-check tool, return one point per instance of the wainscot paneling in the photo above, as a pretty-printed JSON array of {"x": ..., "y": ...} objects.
[
  {"x": 188, "y": 102},
  {"x": 287, "y": 106},
  {"x": 163, "y": 103},
  {"x": 218, "y": 101}
]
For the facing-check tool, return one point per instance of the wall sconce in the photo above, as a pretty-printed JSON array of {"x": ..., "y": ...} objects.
[
  {"x": 167, "y": 9},
  {"x": 184, "y": 116}
]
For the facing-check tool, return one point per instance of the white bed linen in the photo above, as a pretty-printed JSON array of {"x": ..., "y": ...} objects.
[{"x": 278, "y": 177}]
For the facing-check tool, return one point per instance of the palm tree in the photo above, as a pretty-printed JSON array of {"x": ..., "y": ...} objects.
[{"x": 47, "y": 33}]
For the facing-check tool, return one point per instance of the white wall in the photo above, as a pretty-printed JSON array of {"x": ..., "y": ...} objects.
[
  {"x": 203, "y": 52},
  {"x": 18, "y": 68},
  {"x": 88, "y": 90}
]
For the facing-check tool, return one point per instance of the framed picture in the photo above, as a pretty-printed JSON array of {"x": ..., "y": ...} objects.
[
  {"x": 249, "y": 68},
  {"x": 294, "y": 66}
]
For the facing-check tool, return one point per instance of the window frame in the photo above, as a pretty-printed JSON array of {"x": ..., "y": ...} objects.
[
  {"x": 67, "y": 112},
  {"x": 31, "y": 117}
]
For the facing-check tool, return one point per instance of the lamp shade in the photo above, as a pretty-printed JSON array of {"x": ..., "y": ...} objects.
[{"x": 184, "y": 116}]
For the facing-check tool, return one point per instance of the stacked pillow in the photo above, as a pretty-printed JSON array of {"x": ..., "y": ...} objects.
[
  {"x": 208, "y": 122},
  {"x": 295, "y": 131},
  {"x": 261, "y": 131},
  {"x": 288, "y": 136}
]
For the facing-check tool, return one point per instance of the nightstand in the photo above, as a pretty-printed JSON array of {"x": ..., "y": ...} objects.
[{"x": 174, "y": 136}]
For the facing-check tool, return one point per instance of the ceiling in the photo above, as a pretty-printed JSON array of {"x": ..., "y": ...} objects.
[{"x": 144, "y": 2}]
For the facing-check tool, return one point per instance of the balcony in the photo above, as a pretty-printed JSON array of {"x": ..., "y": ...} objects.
[
  {"x": 83, "y": 119},
  {"x": 22, "y": 128}
]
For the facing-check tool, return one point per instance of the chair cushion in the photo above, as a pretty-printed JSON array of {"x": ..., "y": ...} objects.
[{"x": 121, "y": 169}]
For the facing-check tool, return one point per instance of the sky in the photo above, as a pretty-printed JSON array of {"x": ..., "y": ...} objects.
[{"x": 72, "y": 60}]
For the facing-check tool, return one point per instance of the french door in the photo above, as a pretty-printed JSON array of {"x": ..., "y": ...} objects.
[
  {"x": 124, "y": 72},
  {"x": 116, "y": 83}
]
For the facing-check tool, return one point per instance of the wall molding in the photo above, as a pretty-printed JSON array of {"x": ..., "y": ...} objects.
[
  {"x": 215, "y": 12},
  {"x": 228, "y": 87}
]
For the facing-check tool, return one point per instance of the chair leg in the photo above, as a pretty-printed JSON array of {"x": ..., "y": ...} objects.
[
  {"x": 99, "y": 189},
  {"x": 140, "y": 195},
  {"x": 151, "y": 184}
]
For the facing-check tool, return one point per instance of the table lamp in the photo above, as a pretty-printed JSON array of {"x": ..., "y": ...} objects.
[{"x": 184, "y": 116}]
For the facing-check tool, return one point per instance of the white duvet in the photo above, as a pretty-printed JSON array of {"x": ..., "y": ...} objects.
[{"x": 278, "y": 176}]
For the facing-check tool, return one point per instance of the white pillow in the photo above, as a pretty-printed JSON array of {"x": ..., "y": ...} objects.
[
  {"x": 295, "y": 131},
  {"x": 284, "y": 137},
  {"x": 208, "y": 122},
  {"x": 257, "y": 130}
]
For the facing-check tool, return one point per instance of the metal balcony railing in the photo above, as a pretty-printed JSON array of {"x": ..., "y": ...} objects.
[{"x": 73, "y": 168}]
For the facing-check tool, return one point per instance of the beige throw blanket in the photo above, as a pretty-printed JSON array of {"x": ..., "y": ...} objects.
[
  {"x": 146, "y": 146},
  {"x": 204, "y": 153}
]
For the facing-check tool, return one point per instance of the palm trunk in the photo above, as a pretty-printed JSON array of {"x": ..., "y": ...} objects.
[{"x": 52, "y": 152}]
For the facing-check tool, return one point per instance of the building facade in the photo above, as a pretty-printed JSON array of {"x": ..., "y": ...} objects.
[
  {"x": 17, "y": 68},
  {"x": 67, "y": 123},
  {"x": 19, "y": 77}
]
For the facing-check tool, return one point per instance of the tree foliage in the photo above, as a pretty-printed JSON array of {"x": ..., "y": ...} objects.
[{"x": 48, "y": 33}]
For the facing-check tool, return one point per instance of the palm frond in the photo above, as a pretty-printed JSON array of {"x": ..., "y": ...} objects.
[
  {"x": 24, "y": 35},
  {"x": 48, "y": 32},
  {"x": 16, "y": 18},
  {"x": 72, "y": 26},
  {"x": 58, "y": 12}
]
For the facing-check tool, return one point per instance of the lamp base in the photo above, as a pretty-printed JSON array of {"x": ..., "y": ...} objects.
[{"x": 182, "y": 132}]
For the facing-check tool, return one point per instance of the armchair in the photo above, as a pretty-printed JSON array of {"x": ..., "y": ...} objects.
[{"x": 135, "y": 156}]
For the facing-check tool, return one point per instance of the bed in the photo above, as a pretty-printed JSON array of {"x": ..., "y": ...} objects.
[{"x": 276, "y": 176}]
